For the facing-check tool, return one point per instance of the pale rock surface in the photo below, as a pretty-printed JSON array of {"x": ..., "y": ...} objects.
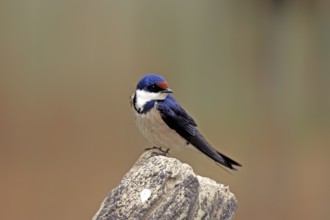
[{"x": 159, "y": 187}]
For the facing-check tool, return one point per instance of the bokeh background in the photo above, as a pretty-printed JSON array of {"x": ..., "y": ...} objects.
[{"x": 254, "y": 74}]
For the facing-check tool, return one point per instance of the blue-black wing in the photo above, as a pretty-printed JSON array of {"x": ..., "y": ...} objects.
[{"x": 179, "y": 120}]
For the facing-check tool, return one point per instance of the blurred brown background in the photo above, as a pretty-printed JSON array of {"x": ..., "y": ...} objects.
[{"x": 254, "y": 74}]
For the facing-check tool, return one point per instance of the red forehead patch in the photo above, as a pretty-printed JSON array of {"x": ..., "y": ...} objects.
[{"x": 162, "y": 85}]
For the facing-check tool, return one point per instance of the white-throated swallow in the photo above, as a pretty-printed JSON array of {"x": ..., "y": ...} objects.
[{"x": 165, "y": 123}]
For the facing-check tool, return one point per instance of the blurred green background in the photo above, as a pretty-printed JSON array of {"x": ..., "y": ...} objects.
[{"x": 254, "y": 74}]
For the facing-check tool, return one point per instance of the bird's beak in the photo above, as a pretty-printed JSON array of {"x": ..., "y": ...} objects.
[{"x": 167, "y": 90}]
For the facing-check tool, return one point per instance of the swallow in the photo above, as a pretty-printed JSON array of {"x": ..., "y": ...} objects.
[{"x": 164, "y": 123}]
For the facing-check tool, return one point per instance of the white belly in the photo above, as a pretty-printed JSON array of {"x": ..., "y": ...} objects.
[{"x": 156, "y": 131}]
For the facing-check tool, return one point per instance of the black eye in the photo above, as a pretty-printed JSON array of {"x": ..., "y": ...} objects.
[{"x": 153, "y": 88}]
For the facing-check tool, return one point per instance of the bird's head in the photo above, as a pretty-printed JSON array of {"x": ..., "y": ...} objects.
[{"x": 151, "y": 87}]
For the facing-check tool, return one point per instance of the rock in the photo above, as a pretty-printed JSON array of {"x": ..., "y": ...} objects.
[{"x": 159, "y": 187}]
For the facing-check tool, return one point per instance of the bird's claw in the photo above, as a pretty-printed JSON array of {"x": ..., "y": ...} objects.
[{"x": 164, "y": 152}]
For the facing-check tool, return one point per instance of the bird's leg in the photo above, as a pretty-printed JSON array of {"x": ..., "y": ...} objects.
[
  {"x": 150, "y": 148},
  {"x": 164, "y": 152}
]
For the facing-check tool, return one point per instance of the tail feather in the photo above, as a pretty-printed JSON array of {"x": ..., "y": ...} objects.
[
  {"x": 231, "y": 163},
  {"x": 201, "y": 144}
]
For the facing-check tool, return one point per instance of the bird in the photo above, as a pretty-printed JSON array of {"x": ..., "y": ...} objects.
[{"x": 164, "y": 123}]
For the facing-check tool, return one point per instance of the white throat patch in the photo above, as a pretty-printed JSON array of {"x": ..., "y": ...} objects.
[{"x": 142, "y": 97}]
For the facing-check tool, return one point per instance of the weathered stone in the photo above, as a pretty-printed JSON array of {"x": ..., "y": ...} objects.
[{"x": 159, "y": 187}]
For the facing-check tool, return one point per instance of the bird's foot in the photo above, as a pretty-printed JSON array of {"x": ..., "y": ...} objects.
[{"x": 163, "y": 152}]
